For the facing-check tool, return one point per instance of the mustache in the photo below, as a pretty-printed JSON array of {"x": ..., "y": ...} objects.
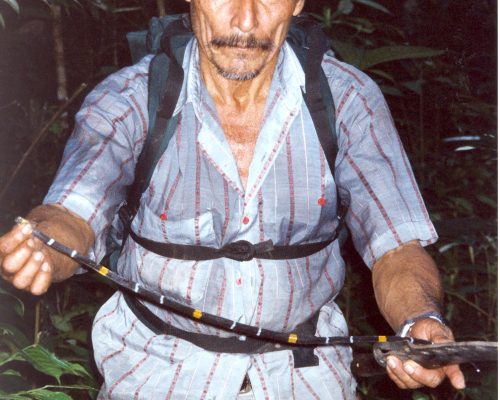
[{"x": 247, "y": 42}]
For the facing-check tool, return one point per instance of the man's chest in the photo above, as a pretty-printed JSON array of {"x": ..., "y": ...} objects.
[{"x": 196, "y": 191}]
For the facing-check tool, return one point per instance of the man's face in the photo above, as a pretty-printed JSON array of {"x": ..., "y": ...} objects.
[{"x": 240, "y": 37}]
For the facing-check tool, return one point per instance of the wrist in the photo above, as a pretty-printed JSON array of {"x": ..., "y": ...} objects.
[{"x": 405, "y": 328}]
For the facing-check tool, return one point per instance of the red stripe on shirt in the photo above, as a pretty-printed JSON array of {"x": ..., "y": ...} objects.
[
  {"x": 220, "y": 299},
  {"x": 291, "y": 191},
  {"x": 174, "y": 381},
  {"x": 261, "y": 378},
  {"x": 260, "y": 296},
  {"x": 260, "y": 213},
  {"x": 290, "y": 299},
  {"x": 374, "y": 198},
  {"x": 309, "y": 279},
  {"x": 291, "y": 367},
  {"x": 108, "y": 189},
  {"x": 344, "y": 69},
  {"x": 365, "y": 233},
  {"x": 89, "y": 164},
  {"x": 109, "y": 314},
  {"x": 226, "y": 211},
  {"x": 268, "y": 162},
  {"x": 307, "y": 384},
  {"x": 171, "y": 193},
  {"x": 210, "y": 376},
  {"x": 197, "y": 195},
  {"x": 133, "y": 369},
  {"x": 123, "y": 338},
  {"x": 344, "y": 100},
  {"x": 334, "y": 372}
]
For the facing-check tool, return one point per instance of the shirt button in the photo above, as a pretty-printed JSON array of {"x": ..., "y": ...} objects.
[
  {"x": 163, "y": 217},
  {"x": 321, "y": 201},
  {"x": 246, "y": 220}
]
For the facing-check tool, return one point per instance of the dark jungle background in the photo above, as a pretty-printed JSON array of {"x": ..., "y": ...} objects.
[{"x": 436, "y": 62}]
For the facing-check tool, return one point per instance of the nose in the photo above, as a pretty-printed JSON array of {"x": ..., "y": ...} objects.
[{"x": 245, "y": 15}]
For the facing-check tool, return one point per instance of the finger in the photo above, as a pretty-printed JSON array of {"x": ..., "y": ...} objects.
[
  {"x": 455, "y": 376},
  {"x": 42, "y": 280},
  {"x": 24, "y": 278},
  {"x": 392, "y": 375},
  {"x": 12, "y": 239},
  {"x": 427, "y": 377},
  {"x": 400, "y": 375},
  {"x": 16, "y": 259}
]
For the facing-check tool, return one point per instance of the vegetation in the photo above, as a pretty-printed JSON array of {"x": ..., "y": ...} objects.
[{"x": 442, "y": 93}]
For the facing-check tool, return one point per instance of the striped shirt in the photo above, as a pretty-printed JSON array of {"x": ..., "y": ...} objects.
[{"x": 196, "y": 197}]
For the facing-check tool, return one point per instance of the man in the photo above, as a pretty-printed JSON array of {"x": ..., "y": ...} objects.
[{"x": 245, "y": 164}]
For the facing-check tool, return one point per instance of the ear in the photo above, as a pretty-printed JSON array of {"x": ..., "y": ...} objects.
[{"x": 298, "y": 7}]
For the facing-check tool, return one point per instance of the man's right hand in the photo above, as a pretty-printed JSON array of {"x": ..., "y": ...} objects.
[
  {"x": 24, "y": 262},
  {"x": 29, "y": 264}
]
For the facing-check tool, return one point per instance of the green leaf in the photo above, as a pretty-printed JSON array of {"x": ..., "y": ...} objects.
[
  {"x": 382, "y": 74},
  {"x": 419, "y": 396},
  {"x": 366, "y": 59},
  {"x": 396, "y": 53},
  {"x": 414, "y": 86},
  {"x": 391, "y": 90},
  {"x": 373, "y": 4},
  {"x": 487, "y": 200},
  {"x": 43, "y": 394},
  {"x": 11, "y": 372},
  {"x": 48, "y": 363},
  {"x": 18, "y": 337},
  {"x": 8, "y": 357},
  {"x": 345, "y": 7}
]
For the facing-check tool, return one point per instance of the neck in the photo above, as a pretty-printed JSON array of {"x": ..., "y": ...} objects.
[{"x": 238, "y": 95}]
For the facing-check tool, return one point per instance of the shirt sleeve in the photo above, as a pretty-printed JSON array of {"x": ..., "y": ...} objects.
[
  {"x": 100, "y": 156},
  {"x": 373, "y": 170}
]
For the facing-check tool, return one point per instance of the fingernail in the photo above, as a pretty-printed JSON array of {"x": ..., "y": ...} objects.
[
  {"x": 460, "y": 384},
  {"x": 38, "y": 256},
  {"x": 31, "y": 243},
  {"x": 391, "y": 363},
  {"x": 409, "y": 369},
  {"x": 45, "y": 267},
  {"x": 26, "y": 229}
]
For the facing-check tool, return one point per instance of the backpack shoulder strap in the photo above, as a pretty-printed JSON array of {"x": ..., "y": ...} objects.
[
  {"x": 168, "y": 38},
  {"x": 310, "y": 44}
]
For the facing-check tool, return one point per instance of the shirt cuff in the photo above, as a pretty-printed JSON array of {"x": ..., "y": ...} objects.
[{"x": 402, "y": 233}]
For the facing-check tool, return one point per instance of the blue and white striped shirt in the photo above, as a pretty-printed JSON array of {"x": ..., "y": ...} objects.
[{"x": 196, "y": 197}]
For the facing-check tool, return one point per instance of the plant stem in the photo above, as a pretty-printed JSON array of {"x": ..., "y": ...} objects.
[
  {"x": 36, "y": 337},
  {"x": 39, "y": 136},
  {"x": 57, "y": 35},
  {"x": 160, "y": 5},
  {"x": 470, "y": 303}
]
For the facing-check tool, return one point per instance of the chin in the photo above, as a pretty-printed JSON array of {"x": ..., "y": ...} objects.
[{"x": 238, "y": 75}]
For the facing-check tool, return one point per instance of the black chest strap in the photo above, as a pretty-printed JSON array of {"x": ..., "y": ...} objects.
[{"x": 240, "y": 250}]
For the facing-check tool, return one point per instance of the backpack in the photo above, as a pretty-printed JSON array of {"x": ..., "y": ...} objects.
[{"x": 166, "y": 39}]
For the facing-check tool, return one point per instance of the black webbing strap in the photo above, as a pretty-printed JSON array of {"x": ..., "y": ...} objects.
[
  {"x": 164, "y": 93},
  {"x": 303, "y": 355},
  {"x": 318, "y": 97},
  {"x": 240, "y": 250}
]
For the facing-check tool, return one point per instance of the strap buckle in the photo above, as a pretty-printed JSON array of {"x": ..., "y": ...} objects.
[{"x": 243, "y": 250}]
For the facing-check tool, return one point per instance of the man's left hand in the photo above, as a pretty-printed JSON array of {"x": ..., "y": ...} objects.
[{"x": 410, "y": 375}]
